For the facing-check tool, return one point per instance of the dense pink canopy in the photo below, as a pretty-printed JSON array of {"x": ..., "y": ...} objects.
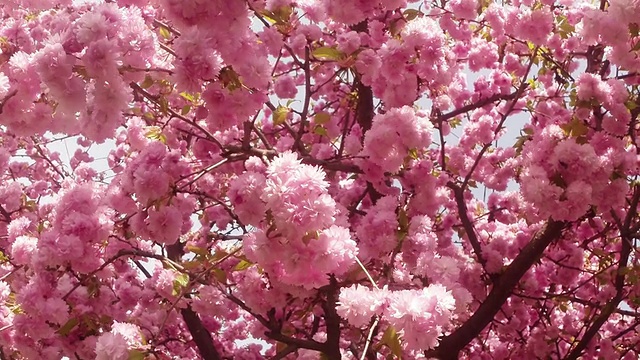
[{"x": 319, "y": 179}]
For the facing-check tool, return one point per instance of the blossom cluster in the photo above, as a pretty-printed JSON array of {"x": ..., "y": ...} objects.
[{"x": 319, "y": 178}]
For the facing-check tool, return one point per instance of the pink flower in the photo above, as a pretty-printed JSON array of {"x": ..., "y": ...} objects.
[
  {"x": 420, "y": 316},
  {"x": 358, "y": 304},
  {"x": 393, "y": 135},
  {"x": 165, "y": 224},
  {"x": 464, "y": 9},
  {"x": 111, "y": 346},
  {"x": 101, "y": 59},
  {"x": 196, "y": 61},
  {"x": 91, "y": 27},
  {"x": 423, "y": 32},
  {"x": 483, "y": 54},
  {"x": 337, "y": 250},
  {"x": 285, "y": 87},
  {"x": 55, "y": 310},
  {"x": 5, "y": 291},
  {"x": 573, "y": 160},
  {"x": 4, "y": 85},
  {"x": 10, "y": 196},
  {"x": 297, "y": 195},
  {"x": 23, "y": 249},
  {"x": 533, "y": 25},
  {"x": 244, "y": 193},
  {"x": 130, "y": 332}
]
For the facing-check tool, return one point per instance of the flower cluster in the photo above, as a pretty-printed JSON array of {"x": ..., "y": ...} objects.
[{"x": 420, "y": 316}]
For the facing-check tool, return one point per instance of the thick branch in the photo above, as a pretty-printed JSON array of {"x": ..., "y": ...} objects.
[
  {"x": 451, "y": 345},
  {"x": 612, "y": 305},
  {"x": 286, "y": 351},
  {"x": 300, "y": 343},
  {"x": 608, "y": 309},
  {"x": 332, "y": 321},
  {"x": 5, "y": 214},
  {"x": 199, "y": 333},
  {"x": 364, "y": 107},
  {"x": 6, "y": 98},
  {"x": 476, "y": 105},
  {"x": 458, "y": 194},
  {"x": 307, "y": 100}
]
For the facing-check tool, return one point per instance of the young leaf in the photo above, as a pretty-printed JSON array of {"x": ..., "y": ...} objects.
[
  {"x": 242, "y": 265},
  {"x": 280, "y": 115},
  {"x": 327, "y": 53},
  {"x": 392, "y": 341},
  {"x": 65, "y": 329},
  {"x": 322, "y": 118},
  {"x": 164, "y": 32}
]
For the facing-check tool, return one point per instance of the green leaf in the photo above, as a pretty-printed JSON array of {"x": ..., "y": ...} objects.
[
  {"x": 631, "y": 105},
  {"x": 164, "y": 105},
  {"x": 185, "y": 110},
  {"x": 283, "y": 14},
  {"x": 187, "y": 96},
  {"x": 558, "y": 180},
  {"x": 564, "y": 27},
  {"x": 155, "y": 133},
  {"x": 484, "y": 4},
  {"x": 219, "y": 275},
  {"x": 279, "y": 16},
  {"x": 219, "y": 255},
  {"x": 280, "y": 115},
  {"x": 197, "y": 250},
  {"x": 65, "y": 329},
  {"x": 181, "y": 281},
  {"x": 576, "y": 128},
  {"x": 521, "y": 140},
  {"x": 411, "y": 14},
  {"x": 148, "y": 81},
  {"x": 136, "y": 355},
  {"x": 634, "y": 29},
  {"x": 289, "y": 102},
  {"x": 30, "y": 205},
  {"x": 320, "y": 130},
  {"x": 268, "y": 15},
  {"x": 392, "y": 341},
  {"x": 242, "y": 265},
  {"x": 230, "y": 79},
  {"x": 414, "y": 154},
  {"x": 327, "y": 53},
  {"x": 308, "y": 237},
  {"x": 322, "y": 118},
  {"x": 164, "y": 32}
]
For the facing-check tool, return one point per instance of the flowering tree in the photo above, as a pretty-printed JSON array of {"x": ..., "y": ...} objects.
[{"x": 320, "y": 179}]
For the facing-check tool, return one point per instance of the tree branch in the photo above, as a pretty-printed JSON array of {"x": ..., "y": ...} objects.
[
  {"x": 476, "y": 105},
  {"x": 332, "y": 321},
  {"x": 612, "y": 305},
  {"x": 199, "y": 333},
  {"x": 458, "y": 194},
  {"x": 451, "y": 344}
]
